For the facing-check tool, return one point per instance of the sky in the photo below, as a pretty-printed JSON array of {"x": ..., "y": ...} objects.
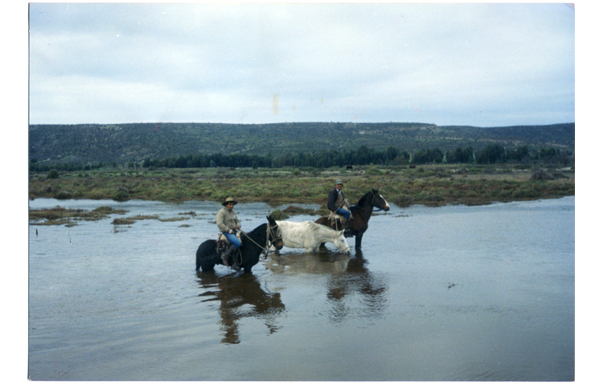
[{"x": 477, "y": 64}]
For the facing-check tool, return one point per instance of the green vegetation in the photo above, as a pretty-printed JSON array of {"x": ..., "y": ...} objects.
[
  {"x": 431, "y": 185},
  {"x": 131, "y": 220},
  {"x": 364, "y": 155},
  {"x": 286, "y": 163},
  {"x": 93, "y": 146},
  {"x": 61, "y": 216},
  {"x": 52, "y": 174}
]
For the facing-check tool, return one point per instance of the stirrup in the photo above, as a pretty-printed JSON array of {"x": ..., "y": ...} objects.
[{"x": 225, "y": 255}]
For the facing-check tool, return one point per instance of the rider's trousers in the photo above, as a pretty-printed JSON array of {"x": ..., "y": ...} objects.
[
  {"x": 343, "y": 212},
  {"x": 233, "y": 240}
]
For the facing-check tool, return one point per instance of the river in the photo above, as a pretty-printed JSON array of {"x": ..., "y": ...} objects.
[{"x": 454, "y": 293}]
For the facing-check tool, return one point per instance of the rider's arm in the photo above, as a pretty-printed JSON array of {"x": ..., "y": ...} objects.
[
  {"x": 221, "y": 222},
  {"x": 238, "y": 223},
  {"x": 331, "y": 200}
]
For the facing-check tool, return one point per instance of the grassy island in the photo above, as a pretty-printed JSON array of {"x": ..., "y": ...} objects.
[{"x": 431, "y": 185}]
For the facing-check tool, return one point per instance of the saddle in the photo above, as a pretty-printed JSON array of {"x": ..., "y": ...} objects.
[
  {"x": 338, "y": 219},
  {"x": 223, "y": 243},
  {"x": 334, "y": 217}
]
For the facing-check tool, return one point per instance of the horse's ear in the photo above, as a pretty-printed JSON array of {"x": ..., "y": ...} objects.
[{"x": 270, "y": 219}]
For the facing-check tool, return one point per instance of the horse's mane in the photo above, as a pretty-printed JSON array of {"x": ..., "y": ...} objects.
[
  {"x": 362, "y": 201},
  {"x": 253, "y": 234}
]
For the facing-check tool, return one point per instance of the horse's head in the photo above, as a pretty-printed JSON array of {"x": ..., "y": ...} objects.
[
  {"x": 341, "y": 243},
  {"x": 378, "y": 201},
  {"x": 274, "y": 236}
]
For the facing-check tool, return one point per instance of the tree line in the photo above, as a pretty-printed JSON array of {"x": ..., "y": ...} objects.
[{"x": 490, "y": 154}]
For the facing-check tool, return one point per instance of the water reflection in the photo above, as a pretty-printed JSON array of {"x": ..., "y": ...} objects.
[
  {"x": 313, "y": 263},
  {"x": 240, "y": 296},
  {"x": 352, "y": 290},
  {"x": 357, "y": 279}
]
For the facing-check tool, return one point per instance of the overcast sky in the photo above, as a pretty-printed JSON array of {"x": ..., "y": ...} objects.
[{"x": 446, "y": 64}]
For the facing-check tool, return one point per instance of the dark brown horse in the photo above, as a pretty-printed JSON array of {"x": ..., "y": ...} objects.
[{"x": 361, "y": 213}]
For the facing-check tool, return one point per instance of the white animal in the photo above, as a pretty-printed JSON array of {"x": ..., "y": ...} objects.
[{"x": 310, "y": 236}]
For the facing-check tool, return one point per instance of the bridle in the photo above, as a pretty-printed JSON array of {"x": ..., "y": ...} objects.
[
  {"x": 374, "y": 198},
  {"x": 273, "y": 236}
]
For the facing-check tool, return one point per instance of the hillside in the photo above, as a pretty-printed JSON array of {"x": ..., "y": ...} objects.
[{"x": 138, "y": 141}]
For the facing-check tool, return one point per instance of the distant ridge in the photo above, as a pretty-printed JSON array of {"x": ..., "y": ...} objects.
[{"x": 134, "y": 142}]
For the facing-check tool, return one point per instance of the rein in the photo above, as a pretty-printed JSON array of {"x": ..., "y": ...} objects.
[{"x": 270, "y": 232}]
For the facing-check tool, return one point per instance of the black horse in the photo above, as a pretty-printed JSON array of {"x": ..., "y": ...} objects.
[
  {"x": 253, "y": 244},
  {"x": 361, "y": 213}
]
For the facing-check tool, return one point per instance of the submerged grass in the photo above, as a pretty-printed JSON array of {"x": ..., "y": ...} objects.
[
  {"x": 427, "y": 185},
  {"x": 63, "y": 216}
]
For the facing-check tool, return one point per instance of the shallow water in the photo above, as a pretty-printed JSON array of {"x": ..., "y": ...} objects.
[{"x": 437, "y": 294}]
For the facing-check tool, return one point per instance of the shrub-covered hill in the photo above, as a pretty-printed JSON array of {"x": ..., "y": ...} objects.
[{"x": 135, "y": 142}]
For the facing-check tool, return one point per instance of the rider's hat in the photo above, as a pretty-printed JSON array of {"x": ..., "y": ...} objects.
[
  {"x": 228, "y": 200},
  {"x": 339, "y": 182}
]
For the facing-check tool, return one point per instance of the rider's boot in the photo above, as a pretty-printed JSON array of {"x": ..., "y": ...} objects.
[
  {"x": 225, "y": 255},
  {"x": 347, "y": 230},
  {"x": 346, "y": 224}
]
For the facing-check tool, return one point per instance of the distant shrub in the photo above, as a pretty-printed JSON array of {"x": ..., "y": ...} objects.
[
  {"x": 404, "y": 201},
  {"x": 64, "y": 195},
  {"x": 279, "y": 215},
  {"x": 540, "y": 175},
  {"x": 373, "y": 171},
  {"x": 121, "y": 196},
  {"x": 295, "y": 210},
  {"x": 52, "y": 174}
]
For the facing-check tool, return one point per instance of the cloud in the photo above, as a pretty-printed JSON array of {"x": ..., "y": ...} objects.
[{"x": 474, "y": 64}]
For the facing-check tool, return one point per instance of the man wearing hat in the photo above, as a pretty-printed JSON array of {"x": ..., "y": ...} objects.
[
  {"x": 337, "y": 203},
  {"x": 229, "y": 224}
]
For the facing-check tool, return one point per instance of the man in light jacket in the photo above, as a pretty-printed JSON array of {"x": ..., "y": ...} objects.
[{"x": 229, "y": 224}]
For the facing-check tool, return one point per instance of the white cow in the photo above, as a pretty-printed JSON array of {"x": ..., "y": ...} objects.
[{"x": 310, "y": 236}]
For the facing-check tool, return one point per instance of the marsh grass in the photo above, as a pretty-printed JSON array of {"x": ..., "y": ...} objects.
[
  {"x": 431, "y": 185},
  {"x": 63, "y": 216},
  {"x": 133, "y": 219},
  {"x": 173, "y": 219}
]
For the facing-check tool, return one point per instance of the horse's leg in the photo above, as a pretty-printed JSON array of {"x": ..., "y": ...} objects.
[
  {"x": 208, "y": 262},
  {"x": 358, "y": 241}
]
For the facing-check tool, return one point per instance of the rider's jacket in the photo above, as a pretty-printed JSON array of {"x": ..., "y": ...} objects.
[
  {"x": 335, "y": 200},
  {"x": 227, "y": 220}
]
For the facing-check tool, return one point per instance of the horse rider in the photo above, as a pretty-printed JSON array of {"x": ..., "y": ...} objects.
[
  {"x": 337, "y": 204},
  {"x": 229, "y": 224}
]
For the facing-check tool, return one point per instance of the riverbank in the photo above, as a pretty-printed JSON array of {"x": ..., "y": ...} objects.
[{"x": 430, "y": 185}]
